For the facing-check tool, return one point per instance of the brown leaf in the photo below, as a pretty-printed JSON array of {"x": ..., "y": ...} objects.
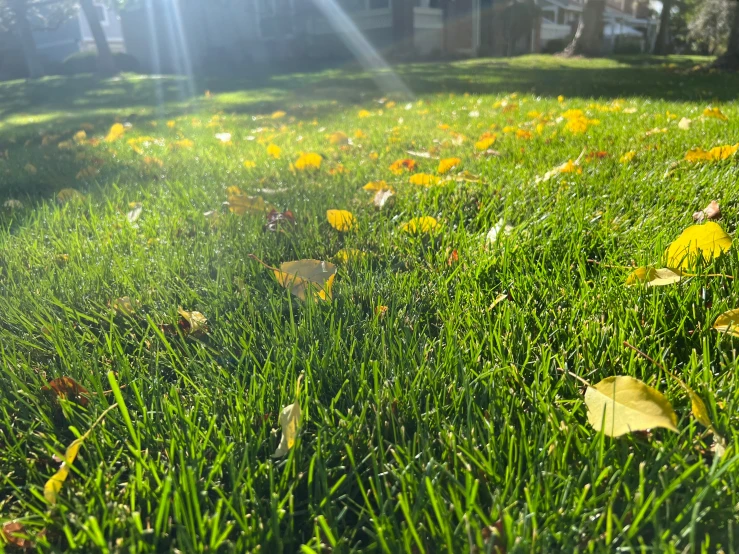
[
  {"x": 276, "y": 219},
  {"x": 13, "y": 533},
  {"x": 66, "y": 387},
  {"x": 712, "y": 211}
]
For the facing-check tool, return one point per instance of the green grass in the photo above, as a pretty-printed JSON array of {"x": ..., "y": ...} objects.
[{"x": 424, "y": 428}]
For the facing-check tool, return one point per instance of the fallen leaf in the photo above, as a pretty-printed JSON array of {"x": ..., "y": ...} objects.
[
  {"x": 496, "y": 230},
  {"x": 715, "y": 154},
  {"x": 123, "y": 306},
  {"x": 423, "y": 179},
  {"x": 54, "y": 485},
  {"x": 684, "y": 124},
  {"x": 224, "y": 137},
  {"x": 275, "y": 219},
  {"x": 374, "y": 186},
  {"x": 341, "y": 220},
  {"x": 290, "y": 417},
  {"x": 399, "y": 166},
  {"x": 346, "y": 254},
  {"x": 712, "y": 211},
  {"x": 68, "y": 195},
  {"x": 728, "y": 322},
  {"x": 654, "y": 277},
  {"x": 426, "y": 155},
  {"x": 382, "y": 197},
  {"x": 134, "y": 214},
  {"x": 239, "y": 203},
  {"x": 568, "y": 167},
  {"x": 12, "y": 204},
  {"x": 338, "y": 138},
  {"x": 69, "y": 389},
  {"x": 500, "y": 298},
  {"x": 708, "y": 240},
  {"x": 627, "y": 157},
  {"x": 116, "y": 132},
  {"x": 423, "y": 224},
  {"x": 303, "y": 276},
  {"x": 193, "y": 322},
  {"x": 621, "y": 404},
  {"x": 274, "y": 151},
  {"x": 714, "y": 113},
  {"x": 309, "y": 160},
  {"x": 15, "y": 534},
  {"x": 447, "y": 164}
]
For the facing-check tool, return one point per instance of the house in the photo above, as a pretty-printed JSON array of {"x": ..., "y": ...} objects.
[
  {"x": 182, "y": 36},
  {"x": 73, "y": 35},
  {"x": 170, "y": 35},
  {"x": 627, "y": 24}
]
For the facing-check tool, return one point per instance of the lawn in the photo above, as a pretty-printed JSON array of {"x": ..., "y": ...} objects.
[{"x": 439, "y": 391}]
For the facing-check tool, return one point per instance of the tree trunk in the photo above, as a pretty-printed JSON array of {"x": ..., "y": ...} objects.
[
  {"x": 588, "y": 39},
  {"x": 730, "y": 59},
  {"x": 23, "y": 28},
  {"x": 662, "y": 44},
  {"x": 105, "y": 62}
]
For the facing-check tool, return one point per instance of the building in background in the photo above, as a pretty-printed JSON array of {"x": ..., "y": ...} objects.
[{"x": 73, "y": 35}]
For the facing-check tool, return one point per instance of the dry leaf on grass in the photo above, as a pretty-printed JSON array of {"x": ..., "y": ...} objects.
[
  {"x": 621, "y": 404},
  {"x": 712, "y": 211}
]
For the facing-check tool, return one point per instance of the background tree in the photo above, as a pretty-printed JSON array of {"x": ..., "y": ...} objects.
[
  {"x": 588, "y": 40},
  {"x": 23, "y": 17},
  {"x": 730, "y": 58},
  {"x": 105, "y": 62},
  {"x": 709, "y": 26},
  {"x": 662, "y": 45}
]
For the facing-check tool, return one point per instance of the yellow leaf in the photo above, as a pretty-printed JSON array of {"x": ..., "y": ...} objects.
[
  {"x": 171, "y": 123},
  {"x": 308, "y": 160},
  {"x": 290, "y": 417},
  {"x": 398, "y": 166},
  {"x": 341, "y": 220},
  {"x": 80, "y": 137},
  {"x": 423, "y": 224},
  {"x": 375, "y": 186},
  {"x": 728, "y": 322},
  {"x": 708, "y": 240},
  {"x": 699, "y": 410},
  {"x": 123, "y": 306},
  {"x": 448, "y": 163},
  {"x": 248, "y": 164},
  {"x": 654, "y": 277},
  {"x": 54, "y": 485},
  {"x": 196, "y": 321},
  {"x": 278, "y": 115},
  {"x": 621, "y": 404},
  {"x": 568, "y": 167},
  {"x": 185, "y": 144},
  {"x": 304, "y": 276},
  {"x": 485, "y": 143},
  {"x": 239, "y": 203},
  {"x": 346, "y": 254},
  {"x": 423, "y": 179},
  {"x": 627, "y": 157},
  {"x": 714, "y": 113},
  {"x": 363, "y": 113},
  {"x": 715, "y": 154},
  {"x": 68, "y": 195},
  {"x": 338, "y": 138},
  {"x": 116, "y": 132},
  {"x": 274, "y": 151}
]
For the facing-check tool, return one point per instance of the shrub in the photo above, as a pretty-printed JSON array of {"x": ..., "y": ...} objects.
[{"x": 86, "y": 62}]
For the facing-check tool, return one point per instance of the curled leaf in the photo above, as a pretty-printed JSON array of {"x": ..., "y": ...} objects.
[
  {"x": 654, "y": 277},
  {"x": 290, "y": 417},
  {"x": 123, "y": 306},
  {"x": 54, "y": 485},
  {"x": 728, "y": 322},
  {"x": 135, "y": 213},
  {"x": 304, "y": 276},
  {"x": 193, "y": 322},
  {"x": 712, "y": 211},
  {"x": 621, "y": 404},
  {"x": 382, "y": 197},
  {"x": 239, "y": 203},
  {"x": 68, "y": 195}
]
